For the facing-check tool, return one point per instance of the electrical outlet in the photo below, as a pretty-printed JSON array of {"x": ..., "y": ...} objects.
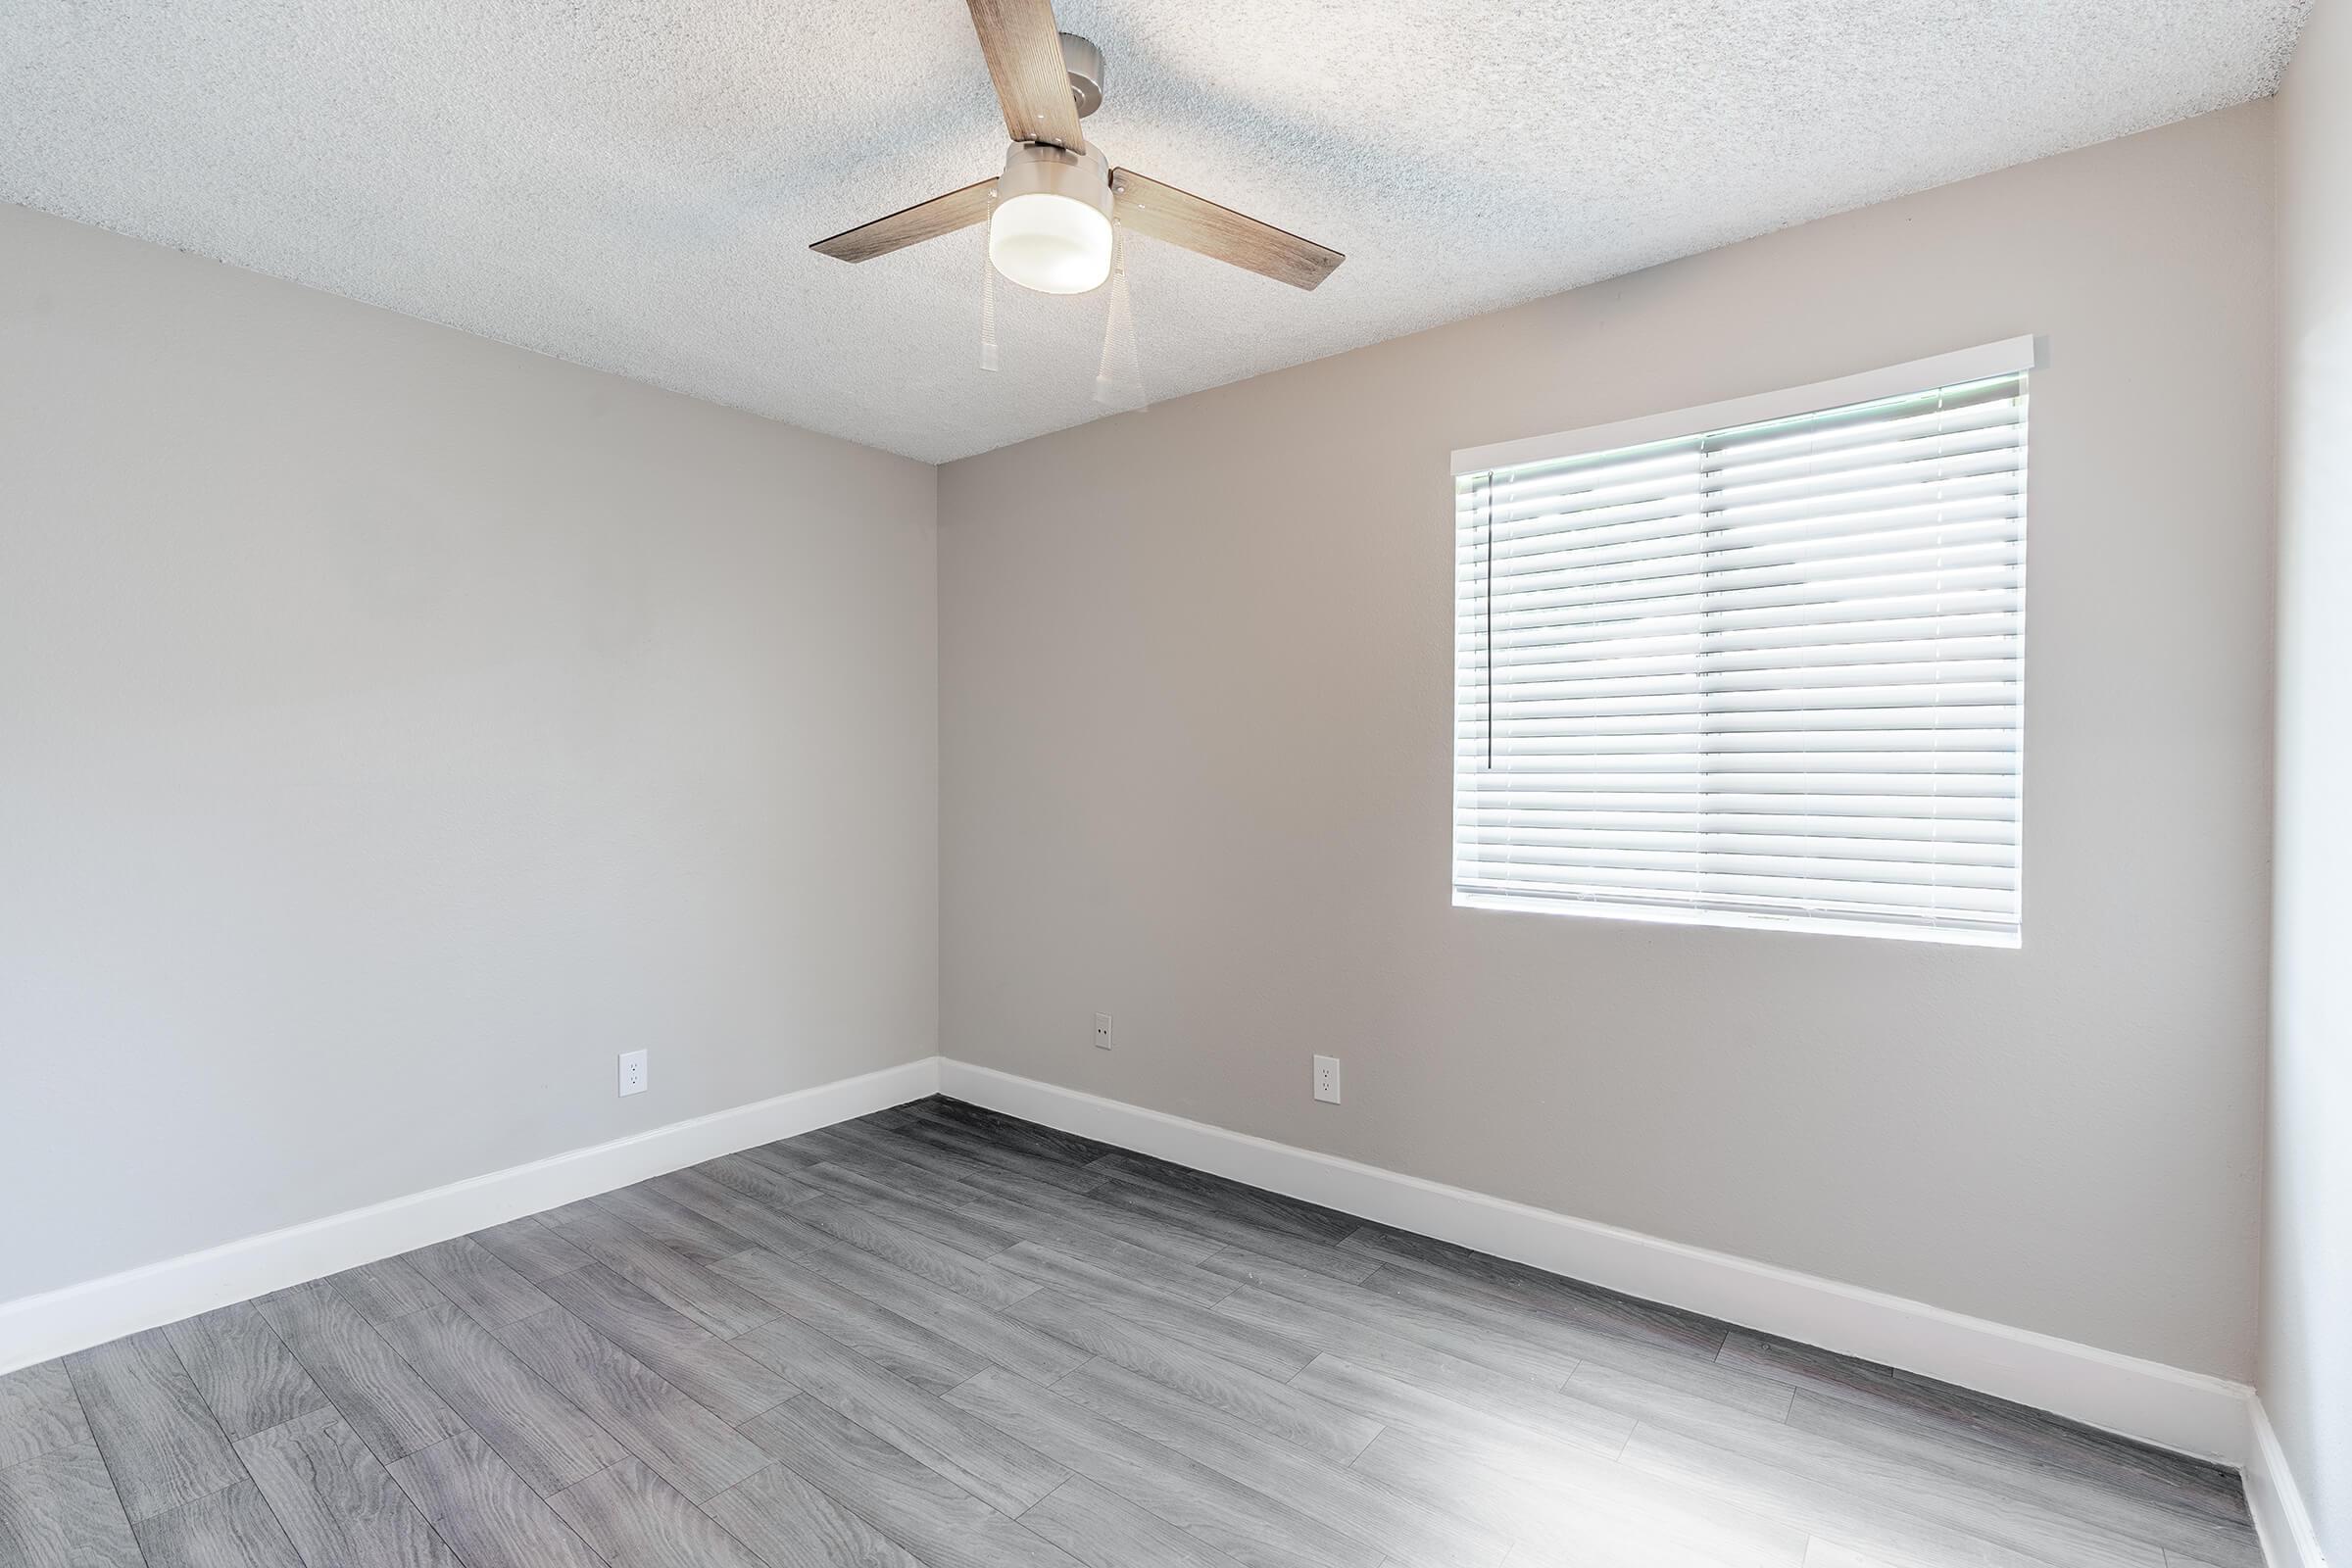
[
  {"x": 632, "y": 1072},
  {"x": 1327, "y": 1079},
  {"x": 1102, "y": 1030}
]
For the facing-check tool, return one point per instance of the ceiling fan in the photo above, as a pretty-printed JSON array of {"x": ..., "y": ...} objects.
[{"x": 1049, "y": 213}]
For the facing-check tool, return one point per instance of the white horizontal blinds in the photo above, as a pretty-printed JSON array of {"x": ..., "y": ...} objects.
[{"x": 1770, "y": 672}]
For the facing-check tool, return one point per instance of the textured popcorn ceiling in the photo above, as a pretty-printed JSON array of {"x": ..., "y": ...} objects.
[{"x": 633, "y": 183}]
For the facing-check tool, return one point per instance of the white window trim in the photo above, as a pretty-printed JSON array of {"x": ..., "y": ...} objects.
[{"x": 2007, "y": 357}]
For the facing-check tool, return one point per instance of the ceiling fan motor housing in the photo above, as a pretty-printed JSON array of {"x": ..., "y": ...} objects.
[
  {"x": 1082, "y": 59},
  {"x": 1040, "y": 169}
]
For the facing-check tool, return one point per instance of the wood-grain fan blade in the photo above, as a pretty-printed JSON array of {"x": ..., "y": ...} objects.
[
  {"x": 1023, "y": 46},
  {"x": 912, "y": 225},
  {"x": 1180, "y": 217}
]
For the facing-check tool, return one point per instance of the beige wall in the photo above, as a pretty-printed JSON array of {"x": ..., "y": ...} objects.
[
  {"x": 2307, "y": 1277},
  {"x": 393, "y": 727},
  {"x": 1195, "y": 729}
]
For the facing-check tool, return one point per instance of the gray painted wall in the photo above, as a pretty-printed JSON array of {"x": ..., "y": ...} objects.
[
  {"x": 394, "y": 726},
  {"x": 2307, "y": 1276},
  {"x": 1196, "y": 671}
]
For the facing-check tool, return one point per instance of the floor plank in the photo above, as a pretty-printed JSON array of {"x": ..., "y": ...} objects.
[
  {"x": 761, "y": 1183},
  {"x": 1250, "y": 1526},
  {"x": 951, "y": 1148},
  {"x": 243, "y": 1369},
  {"x": 1008, "y": 1138},
  {"x": 392, "y": 1409},
  {"x": 967, "y": 1452},
  {"x": 1937, "y": 1453},
  {"x": 543, "y": 1436},
  {"x": 1532, "y": 1288},
  {"x": 530, "y": 1249},
  {"x": 476, "y": 1283},
  {"x": 1285, "y": 1411},
  {"x": 1638, "y": 1373},
  {"x": 1351, "y": 1503},
  {"x": 1582, "y": 1509},
  {"x": 1089, "y": 1244},
  {"x": 923, "y": 1356},
  {"x": 970, "y": 1234},
  {"x": 59, "y": 1509},
  {"x": 483, "y": 1510},
  {"x": 790, "y": 1524},
  {"x": 634, "y": 1519},
  {"x": 1910, "y": 1486},
  {"x": 701, "y": 1365},
  {"x": 338, "y": 1504},
  {"x": 915, "y": 1252},
  {"x": 1188, "y": 1322},
  {"x": 912, "y": 1184},
  {"x": 773, "y": 1226},
  {"x": 1515, "y": 1351},
  {"x": 931, "y": 1516},
  {"x": 1252, "y": 1206},
  {"x": 1073, "y": 1148},
  {"x": 691, "y": 1448},
  {"x": 857, "y": 1144},
  {"x": 784, "y": 1156},
  {"x": 162, "y": 1444},
  {"x": 386, "y": 1289},
  {"x": 39, "y": 1413},
  {"x": 1859, "y": 1509},
  {"x": 1104, "y": 1529},
  {"x": 994, "y": 1337},
  {"x": 1172, "y": 1209},
  {"x": 2171, "y": 1479},
  {"x": 232, "y": 1527},
  {"x": 999, "y": 1195},
  {"x": 1365, "y": 1342},
  {"x": 1535, "y": 1427},
  {"x": 661, "y": 1218},
  {"x": 724, "y": 1308},
  {"x": 1512, "y": 1340}
]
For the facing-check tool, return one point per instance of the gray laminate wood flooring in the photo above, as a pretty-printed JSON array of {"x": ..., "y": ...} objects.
[{"x": 940, "y": 1338}]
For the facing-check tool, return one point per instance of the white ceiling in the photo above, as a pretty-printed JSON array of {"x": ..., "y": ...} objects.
[{"x": 633, "y": 183}]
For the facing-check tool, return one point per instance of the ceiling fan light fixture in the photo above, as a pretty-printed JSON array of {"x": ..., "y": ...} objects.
[
  {"x": 1050, "y": 228},
  {"x": 1049, "y": 215}
]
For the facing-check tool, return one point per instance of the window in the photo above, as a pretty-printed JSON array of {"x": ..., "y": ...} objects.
[{"x": 1753, "y": 665}]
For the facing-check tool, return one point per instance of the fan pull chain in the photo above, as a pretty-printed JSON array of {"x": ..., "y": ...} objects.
[
  {"x": 988, "y": 298},
  {"x": 1119, "y": 382}
]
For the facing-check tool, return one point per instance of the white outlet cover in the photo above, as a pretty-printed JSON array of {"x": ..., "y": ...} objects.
[
  {"x": 1102, "y": 1030},
  {"x": 1327, "y": 1079},
  {"x": 632, "y": 1072}
]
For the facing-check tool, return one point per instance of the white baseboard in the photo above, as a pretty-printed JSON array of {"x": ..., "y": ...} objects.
[
  {"x": 2288, "y": 1538},
  {"x": 2186, "y": 1411},
  {"x": 2181, "y": 1410},
  {"x": 36, "y": 1327}
]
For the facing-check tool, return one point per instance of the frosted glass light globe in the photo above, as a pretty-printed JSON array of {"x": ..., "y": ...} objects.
[{"x": 1049, "y": 243}]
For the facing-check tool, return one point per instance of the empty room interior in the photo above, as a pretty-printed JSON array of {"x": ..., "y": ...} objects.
[{"x": 1109, "y": 784}]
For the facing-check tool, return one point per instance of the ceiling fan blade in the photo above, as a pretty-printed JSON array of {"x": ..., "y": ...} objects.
[
  {"x": 1180, "y": 217},
  {"x": 912, "y": 225},
  {"x": 1023, "y": 47}
]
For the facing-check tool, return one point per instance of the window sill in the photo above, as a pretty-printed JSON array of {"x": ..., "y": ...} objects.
[{"x": 1736, "y": 920}]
